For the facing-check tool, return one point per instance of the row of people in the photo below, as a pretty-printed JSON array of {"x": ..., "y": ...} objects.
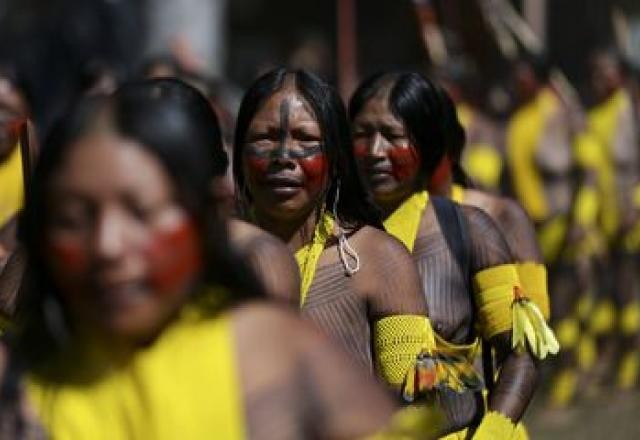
[{"x": 138, "y": 311}]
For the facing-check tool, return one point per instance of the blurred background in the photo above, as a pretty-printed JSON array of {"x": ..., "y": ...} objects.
[{"x": 64, "y": 48}]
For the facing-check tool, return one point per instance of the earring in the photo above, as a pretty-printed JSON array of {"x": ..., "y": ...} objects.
[{"x": 345, "y": 251}]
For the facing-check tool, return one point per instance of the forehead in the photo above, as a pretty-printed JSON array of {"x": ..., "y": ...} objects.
[
  {"x": 378, "y": 110},
  {"x": 297, "y": 107},
  {"x": 102, "y": 163}
]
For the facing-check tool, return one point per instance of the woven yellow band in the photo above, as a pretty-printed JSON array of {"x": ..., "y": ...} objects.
[
  {"x": 398, "y": 340},
  {"x": 494, "y": 290},
  {"x": 533, "y": 278}
]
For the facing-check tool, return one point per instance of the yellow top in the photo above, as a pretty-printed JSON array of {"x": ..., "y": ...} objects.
[
  {"x": 404, "y": 222},
  {"x": 308, "y": 255},
  {"x": 11, "y": 185},
  {"x": 183, "y": 386},
  {"x": 523, "y": 136},
  {"x": 603, "y": 124}
]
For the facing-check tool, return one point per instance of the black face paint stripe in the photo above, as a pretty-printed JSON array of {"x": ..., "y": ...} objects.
[
  {"x": 306, "y": 152},
  {"x": 285, "y": 109}
]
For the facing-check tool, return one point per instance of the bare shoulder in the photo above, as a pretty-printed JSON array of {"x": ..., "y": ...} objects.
[
  {"x": 373, "y": 240},
  {"x": 269, "y": 258},
  {"x": 515, "y": 225}
]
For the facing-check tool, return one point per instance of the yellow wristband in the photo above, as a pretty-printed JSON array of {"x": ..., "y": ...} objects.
[{"x": 494, "y": 426}]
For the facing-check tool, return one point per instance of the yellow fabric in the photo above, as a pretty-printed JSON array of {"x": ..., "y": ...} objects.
[
  {"x": 628, "y": 370},
  {"x": 586, "y": 207},
  {"x": 585, "y": 306},
  {"x": 631, "y": 240},
  {"x": 523, "y": 135},
  {"x": 5, "y": 324},
  {"x": 603, "y": 318},
  {"x": 404, "y": 222},
  {"x": 413, "y": 422},
  {"x": 483, "y": 164},
  {"x": 602, "y": 122},
  {"x": 308, "y": 255},
  {"x": 465, "y": 114},
  {"x": 630, "y": 319},
  {"x": 495, "y": 426},
  {"x": 551, "y": 235},
  {"x": 520, "y": 433},
  {"x": 183, "y": 386},
  {"x": 409, "y": 354},
  {"x": 533, "y": 279},
  {"x": 587, "y": 352},
  {"x": 11, "y": 185},
  {"x": 563, "y": 388},
  {"x": 568, "y": 331},
  {"x": 503, "y": 306},
  {"x": 457, "y": 193}
]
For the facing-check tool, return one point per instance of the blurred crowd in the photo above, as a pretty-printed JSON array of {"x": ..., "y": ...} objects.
[{"x": 556, "y": 173}]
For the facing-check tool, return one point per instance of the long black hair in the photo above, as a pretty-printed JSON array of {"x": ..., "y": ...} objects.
[
  {"x": 354, "y": 204},
  {"x": 426, "y": 111},
  {"x": 173, "y": 122}
]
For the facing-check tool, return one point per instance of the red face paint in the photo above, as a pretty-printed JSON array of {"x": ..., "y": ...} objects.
[
  {"x": 360, "y": 149},
  {"x": 257, "y": 165},
  {"x": 70, "y": 263},
  {"x": 315, "y": 169},
  {"x": 405, "y": 161},
  {"x": 174, "y": 256}
]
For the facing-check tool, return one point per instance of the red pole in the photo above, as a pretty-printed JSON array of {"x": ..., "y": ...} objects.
[{"x": 347, "y": 47}]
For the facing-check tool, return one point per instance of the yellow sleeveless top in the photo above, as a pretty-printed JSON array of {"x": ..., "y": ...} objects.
[
  {"x": 11, "y": 185},
  {"x": 184, "y": 386},
  {"x": 523, "y": 135},
  {"x": 602, "y": 123}
]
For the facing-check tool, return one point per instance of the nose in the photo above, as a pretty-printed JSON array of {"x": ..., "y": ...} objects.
[
  {"x": 109, "y": 236},
  {"x": 378, "y": 146}
]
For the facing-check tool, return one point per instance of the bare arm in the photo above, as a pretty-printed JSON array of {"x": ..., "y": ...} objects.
[
  {"x": 517, "y": 380},
  {"x": 518, "y": 231}
]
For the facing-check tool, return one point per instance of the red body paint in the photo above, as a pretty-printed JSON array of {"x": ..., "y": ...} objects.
[
  {"x": 315, "y": 169},
  {"x": 174, "y": 256},
  {"x": 405, "y": 161},
  {"x": 441, "y": 174}
]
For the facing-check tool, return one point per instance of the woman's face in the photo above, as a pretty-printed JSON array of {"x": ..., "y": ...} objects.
[
  {"x": 121, "y": 250},
  {"x": 283, "y": 159},
  {"x": 388, "y": 162}
]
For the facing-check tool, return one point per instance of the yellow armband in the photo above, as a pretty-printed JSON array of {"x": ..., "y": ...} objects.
[
  {"x": 5, "y": 324},
  {"x": 533, "y": 279},
  {"x": 495, "y": 426},
  {"x": 408, "y": 356},
  {"x": 504, "y": 306}
]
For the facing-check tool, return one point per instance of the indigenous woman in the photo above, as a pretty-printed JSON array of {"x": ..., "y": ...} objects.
[
  {"x": 139, "y": 322},
  {"x": 295, "y": 180},
  {"x": 399, "y": 140}
]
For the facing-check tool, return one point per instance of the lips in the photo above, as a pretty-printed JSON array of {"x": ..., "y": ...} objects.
[
  {"x": 283, "y": 185},
  {"x": 121, "y": 294}
]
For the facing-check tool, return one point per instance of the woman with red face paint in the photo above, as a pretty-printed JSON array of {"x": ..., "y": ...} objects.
[
  {"x": 402, "y": 126},
  {"x": 295, "y": 180},
  {"x": 139, "y": 321}
]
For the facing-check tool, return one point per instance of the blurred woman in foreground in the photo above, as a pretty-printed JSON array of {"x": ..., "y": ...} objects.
[{"x": 140, "y": 322}]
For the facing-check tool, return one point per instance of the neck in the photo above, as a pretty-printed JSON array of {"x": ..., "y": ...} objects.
[
  {"x": 295, "y": 233},
  {"x": 442, "y": 188}
]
